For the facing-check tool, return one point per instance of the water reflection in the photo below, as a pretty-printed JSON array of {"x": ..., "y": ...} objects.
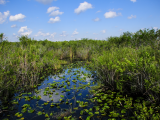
[
  {"x": 74, "y": 93},
  {"x": 54, "y": 97},
  {"x": 56, "y": 78}
]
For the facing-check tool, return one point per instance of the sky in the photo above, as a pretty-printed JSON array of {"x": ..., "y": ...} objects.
[{"x": 65, "y": 20}]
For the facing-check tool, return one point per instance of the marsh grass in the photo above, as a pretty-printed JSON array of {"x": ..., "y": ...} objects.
[{"x": 128, "y": 64}]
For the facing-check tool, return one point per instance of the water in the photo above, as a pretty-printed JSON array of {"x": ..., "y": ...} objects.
[
  {"x": 55, "y": 91},
  {"x": 66, "y": 96}
]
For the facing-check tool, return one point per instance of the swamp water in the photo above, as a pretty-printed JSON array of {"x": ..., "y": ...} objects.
[
  {"x": 70, "y": 95},
  {"x": 62, "y": 96}
]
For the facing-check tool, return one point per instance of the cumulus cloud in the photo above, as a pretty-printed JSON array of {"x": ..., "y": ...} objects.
[
  {"x": 26, "y": 33},
  {"x": 13, "y": 26},
  {"x": 75, "y": 32},
  {"x": 83, "y": 7},
  {"x": 98, "y": 11},
  {"x": 45, "y": 1},
  {"x": 63, "y": 34},
  {"x": 45, "y": 34},
  {"x": 50, "y": 9},
  {"x": 54, "y": 13},
  {"x": 17, "y": 17},
  {"x": 53, "y": 34},
  {"x": 103, "y": 31},
  {"x": 22, "y": 29},
  {"x": 14, "y": 34},
  {"x": 3, "y": 17},
  {"x": 97, "y": 19},
  {"x": 111, "y": 14},
  {"x": 53, "y": 20},
  {"x": 133, "y": 1},
  {"x": 42, "y": 34},
  {"x": 132, "y": 16}
]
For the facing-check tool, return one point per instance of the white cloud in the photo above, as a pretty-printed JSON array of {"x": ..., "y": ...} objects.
[
  {"x": 133, "y": 1},
  {"x": 50, "y": 9},
  {"x": 63, "y": 33},
  {"x": 3, "y": 17},
  {"x": 26, "y": 33},
  {"x": 97, "y": 19},
  {"x": 75, "y": 32},
  {"x": 103, "y": 31},
  {"x": 17, "y": 17},
  {"x": 53, "y": 34},
  {"x": 83, "y": 7},
  {"x": 42, "y": 34},
  {"x": 111, "y": 14},
  {"x": 98, "y": 11},
  {"x": 120, "y": 30},
  {"x": 45, "y": 34},
  {"x": 45, "y": 1},
  {"x": 132, "y": 16},
  {"x": 13, "y": 26},
  {"x": 6, "y": 13},
  {"x": 54, "y": 13},
  {"x": 22, "y": 29},
  {"x": 52, "y": 20},
  {"x": 14, "y": 34},
  {"x": 2, "y": 2}
]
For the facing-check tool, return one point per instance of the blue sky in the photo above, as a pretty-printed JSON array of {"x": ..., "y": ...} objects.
[{"x": 60, "y": 20}]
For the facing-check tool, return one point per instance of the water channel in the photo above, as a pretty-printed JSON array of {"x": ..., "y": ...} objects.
[
  {"x": 67, "y": 95},
  {"x": 60, "y": 95}
]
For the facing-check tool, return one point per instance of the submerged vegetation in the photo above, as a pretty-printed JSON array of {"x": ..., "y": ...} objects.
[{"x": 127, "y": 84}]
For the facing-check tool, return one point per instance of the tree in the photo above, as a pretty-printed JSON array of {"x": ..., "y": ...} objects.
[
  {"x": 1, "y": 37},
  {"x": 25, "y": 41}
]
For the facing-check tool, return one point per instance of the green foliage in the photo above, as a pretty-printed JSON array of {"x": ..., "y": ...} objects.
[
  {"x": 25, "y": 41},
  {"x": 117, "y": 63}
]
